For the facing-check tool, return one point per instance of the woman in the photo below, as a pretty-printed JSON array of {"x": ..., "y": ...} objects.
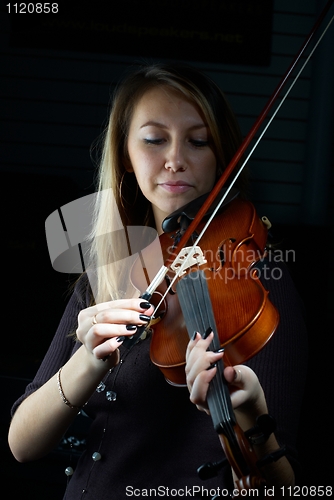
[{"x": 170, "y": 136}]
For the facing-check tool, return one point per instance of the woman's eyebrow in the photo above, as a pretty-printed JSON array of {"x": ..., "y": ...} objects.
[{"x": 196, "y": 126}]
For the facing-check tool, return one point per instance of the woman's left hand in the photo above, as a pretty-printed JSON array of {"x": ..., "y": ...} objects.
[
  {"x": 246, "y": 392},
  {"x": 247, "y": 397}
]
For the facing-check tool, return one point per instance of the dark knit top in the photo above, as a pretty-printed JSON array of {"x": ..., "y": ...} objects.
[{"x": 152, "y": 438}]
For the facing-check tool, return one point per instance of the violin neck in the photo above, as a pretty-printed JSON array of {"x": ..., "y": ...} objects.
[
  {"x": 197, "y": 310},
  {"x": 220, "y": 406}
]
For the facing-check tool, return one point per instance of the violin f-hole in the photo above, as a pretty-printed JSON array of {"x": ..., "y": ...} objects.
[
  {"x": 171, "y": 290},
  {"x": 161, "y": 311}
]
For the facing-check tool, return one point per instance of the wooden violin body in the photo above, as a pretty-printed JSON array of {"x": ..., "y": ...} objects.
[{"x": 245, "y": 317}]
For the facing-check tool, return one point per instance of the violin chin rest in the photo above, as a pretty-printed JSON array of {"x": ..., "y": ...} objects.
[{"x": 188, "y": 212}]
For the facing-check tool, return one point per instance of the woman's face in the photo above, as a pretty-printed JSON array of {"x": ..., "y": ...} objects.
[{"x": 170, "y": 151}]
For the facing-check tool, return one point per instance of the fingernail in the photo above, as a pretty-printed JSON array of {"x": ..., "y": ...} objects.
[
  {"x": 221, "y": 349},
  {"x": 194, "y": 335},
  {"x": 211, "y": 366},
  {"x": 143, "y": 317},
  {"x": 120, "y": 339},
  {"x": 207, "y": 333},
  {"x": 131, "y": 327},
  {"x": 145, "y": 305}
]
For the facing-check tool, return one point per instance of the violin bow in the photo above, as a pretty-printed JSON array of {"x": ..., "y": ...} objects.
[
  {"x": 241, "y": 150},
  {"x": 234, "y": 161}
]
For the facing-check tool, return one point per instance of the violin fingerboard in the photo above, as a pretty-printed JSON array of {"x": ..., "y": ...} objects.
[{"x": 195, "y": 303}]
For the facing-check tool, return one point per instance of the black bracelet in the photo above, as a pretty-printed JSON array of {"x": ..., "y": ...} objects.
[{"x": 259, "y": 434}]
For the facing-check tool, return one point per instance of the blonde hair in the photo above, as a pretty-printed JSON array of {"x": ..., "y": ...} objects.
[{"x": 119, "y": 200}]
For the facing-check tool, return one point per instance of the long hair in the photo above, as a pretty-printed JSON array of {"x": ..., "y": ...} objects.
[{"x": 120, "y": 200}]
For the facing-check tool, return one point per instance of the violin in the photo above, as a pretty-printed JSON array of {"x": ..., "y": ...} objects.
[
  {"x": 167, "y": 352},
  {"x": 246, "y": 317},
  {"x": 220, "y": 291}
]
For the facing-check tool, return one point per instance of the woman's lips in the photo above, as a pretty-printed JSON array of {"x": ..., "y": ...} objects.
[{"x": 175, "y": 187}]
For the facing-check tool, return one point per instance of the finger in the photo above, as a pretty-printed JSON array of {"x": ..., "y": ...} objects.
[
  {"x": 198, "y": 345},
  {"x": 199, "y": 362},
  {"x": 111, "y": 322},
  {"x": 94, "y": 315},
  {"x": 103, "y": 331},
  {"x": 241, "y": 376},
  {"x": 232, "y": 374},
  {"x": 107, "y": 348},
  {"x": 139, "y": 305},
  {"x": 191, "y": 344},
  {"x": 120, "y": 316},
  {"x": 200, "y": 359},
  {"x": 200, "y": 387},
  {"x": 244, "y": 385}
]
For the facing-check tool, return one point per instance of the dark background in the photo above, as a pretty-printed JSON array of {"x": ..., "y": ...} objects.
[{"x": 58, "y": 73}]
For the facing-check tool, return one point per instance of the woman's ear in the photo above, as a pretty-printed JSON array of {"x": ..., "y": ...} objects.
[
  {"x": 127, "y": 162},
  {"x": 127, "y": 165}
]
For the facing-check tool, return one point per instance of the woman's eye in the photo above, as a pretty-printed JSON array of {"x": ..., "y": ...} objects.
[
  {"x": 199, "y": 144},
  {"x": 153, "y": 141}
]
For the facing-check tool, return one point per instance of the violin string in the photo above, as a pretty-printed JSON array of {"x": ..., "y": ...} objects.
[
  {"x": 197, "y": 309},
  {"x": 220, "y": 397},
  {"x": 221, "y": 201},
  {"x": 219, "y": 394},
  {"x": 217, "y": 402},
  {"x": 197, "y": 304},
  {"x": 217, "y": 398}
]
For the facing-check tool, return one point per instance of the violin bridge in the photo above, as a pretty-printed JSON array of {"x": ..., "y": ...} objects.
[{"x": 188, "y": 257}]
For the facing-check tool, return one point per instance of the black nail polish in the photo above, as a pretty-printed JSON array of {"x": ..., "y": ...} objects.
[
  {"x": 120, "y": 339},
  {"x": 211, "y": 366},
  {"x": 145, "y": 305},
  {"x": 194, "y": 335},
  {"x": 143, "y": 317},
  {"x": 131, "y": 327},
  {"x": 221, "y": 349},
  {"x": 207, "y": 333}
]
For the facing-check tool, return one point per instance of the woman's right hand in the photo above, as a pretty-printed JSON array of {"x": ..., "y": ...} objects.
[
  {"x": 101, "y": 327},
  {"x": 44, "y": 411}
]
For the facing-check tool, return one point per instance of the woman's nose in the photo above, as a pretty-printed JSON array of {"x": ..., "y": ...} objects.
[{"x": 175, "y": 160}]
